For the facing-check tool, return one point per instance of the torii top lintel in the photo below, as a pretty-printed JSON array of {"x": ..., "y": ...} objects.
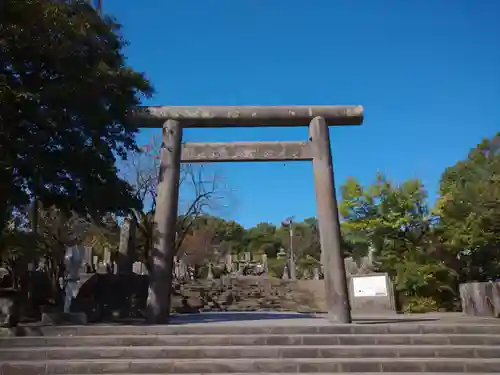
[{"x": 245, "y": 116}]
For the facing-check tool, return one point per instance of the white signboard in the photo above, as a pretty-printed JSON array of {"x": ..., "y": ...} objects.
[{"x": 369, "y": 286}]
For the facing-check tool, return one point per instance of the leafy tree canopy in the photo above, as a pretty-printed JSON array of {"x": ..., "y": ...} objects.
[
  {"x": 65, "y": 90},
  {"x": 393, "y": 222},
  {"x": 469, "y": 211}
]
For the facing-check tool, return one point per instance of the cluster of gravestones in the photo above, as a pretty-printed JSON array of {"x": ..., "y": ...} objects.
[
  {"x": 123, "y": 261},
  {"x": 239, "y": 266},
  {"x": 242, "y": 265}
]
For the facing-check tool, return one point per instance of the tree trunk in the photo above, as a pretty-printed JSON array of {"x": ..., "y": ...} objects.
[{"x": 5, "y": 198}]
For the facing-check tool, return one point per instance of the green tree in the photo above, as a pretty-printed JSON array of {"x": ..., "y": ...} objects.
[
  {"x": 469, "y": 211},
  {"x": 305, "y": 244},
  {"x": 18, "y": 247},
  {"x": 262, "y": 239},
  {"x": 308, "y": 244},
  {"x": 228, "y": 233},
  {"x": 65, "y": 91},
  {"x": 394, "y": 222},
  {"x": 58, "y": 230}
]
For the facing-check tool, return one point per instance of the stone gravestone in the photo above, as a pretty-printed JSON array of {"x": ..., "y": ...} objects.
[
  {"x": 177, "y": 267},
  {"x": 72, "y": 263},
  {"x": 180, "y": 269},
  {"x": 101, "y": 267},
  {"x": 88, "y": 260},
  {"x": 185, "y": 269},
  {"x": 366, "y": 265},
  {"x": 41, "y": 266},
  {"x": 285, "y": 272},
  {"x": 264, "y": 262},
  {"x": 137, "y": 268},
  {"x": 351, "y": 267},
  {"x": 108, "y": 264},
  {"x": 144, "y": 269},
  {"x": 126, "y": 249},
  {"x": 316, "y": 273},
  {"x": 210, "y": 275},
  {"x": 229, "y": 262},
  {"x": 107, "y": 256}
]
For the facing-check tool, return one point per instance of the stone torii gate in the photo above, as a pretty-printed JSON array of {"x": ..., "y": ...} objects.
[{"x": 316, "y": 149}]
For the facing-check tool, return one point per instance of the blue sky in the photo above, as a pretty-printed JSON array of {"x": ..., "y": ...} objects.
[{"x": 427, "y": 73}]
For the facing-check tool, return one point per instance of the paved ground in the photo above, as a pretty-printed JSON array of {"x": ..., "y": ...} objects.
[
  {"x": 270, "y": 319},
  {"x": 290, "y": 318}
]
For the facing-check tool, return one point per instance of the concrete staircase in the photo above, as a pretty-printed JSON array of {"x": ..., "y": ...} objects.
[{"x": 229, "y": 349}]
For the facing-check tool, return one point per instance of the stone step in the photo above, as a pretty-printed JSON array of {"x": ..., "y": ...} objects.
[
  {"x": 200, "y": 329},
  {"x": 224, "y": 366},
  {"x": 197, "y": 352},
  {"x": 246, "y": 340},
  {"x": 325, "y": 373},
  {"x": 328, "y": 373}
]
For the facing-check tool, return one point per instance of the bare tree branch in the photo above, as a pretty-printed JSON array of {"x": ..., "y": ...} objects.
[{"x": 199, "y": 194}]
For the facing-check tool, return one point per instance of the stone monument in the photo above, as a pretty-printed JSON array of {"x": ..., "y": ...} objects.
[
  {"x": 73, "y": 261},
  {"x": 126, "y": 249}
]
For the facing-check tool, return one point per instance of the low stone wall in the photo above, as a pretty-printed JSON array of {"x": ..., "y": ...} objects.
[
  {"x": 250, "y": 293},
  {"x": 106, "y": 297}
]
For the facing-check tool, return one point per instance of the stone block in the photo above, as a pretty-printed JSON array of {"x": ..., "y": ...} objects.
[
  {"x": 22, "y": 369},
  {"x": 482, "y": 366},
  {"x": 443, "y": 365},
  {"x": 402, "y": 365},
  {"x": 356, "y": 340},
  {"x": 359, "y": 365},
  {"x": 55, "y": 318}
]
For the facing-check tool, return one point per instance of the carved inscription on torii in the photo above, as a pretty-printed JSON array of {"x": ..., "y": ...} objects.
[{"x": 245, "y": 151}]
